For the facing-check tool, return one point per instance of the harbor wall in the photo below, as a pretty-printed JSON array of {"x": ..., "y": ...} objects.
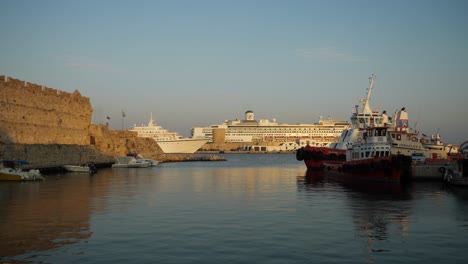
[
  {"x": 51, "y": 128},
  {"x": 36, "y": 114},
  {"x": 107, "y": 145}
]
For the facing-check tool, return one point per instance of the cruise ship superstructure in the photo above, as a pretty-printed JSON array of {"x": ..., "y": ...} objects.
[
  {"x": 169, "y": 142},
  {"x": 249, "y": 130}
]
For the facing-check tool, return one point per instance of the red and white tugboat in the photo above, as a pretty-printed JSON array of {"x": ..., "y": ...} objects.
[
  {"x": 315, "y": 157},
  {"x": 371, "y": 159}
]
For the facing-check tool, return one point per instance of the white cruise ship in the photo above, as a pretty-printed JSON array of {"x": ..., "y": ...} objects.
[
  {"x": 250, "y": 130},
  {"x": 169, "y": 142}
]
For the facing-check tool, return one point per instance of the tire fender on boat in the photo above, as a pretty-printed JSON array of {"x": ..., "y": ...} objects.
[
  {"x": 442, "y": 169},
  {"x": 300, "y": 154}
]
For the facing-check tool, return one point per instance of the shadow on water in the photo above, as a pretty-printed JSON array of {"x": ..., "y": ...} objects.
[
  {"x": 376, "y": 208},
  {"x": 365, "y": 189},
  {"x": 384, "y": 214}
]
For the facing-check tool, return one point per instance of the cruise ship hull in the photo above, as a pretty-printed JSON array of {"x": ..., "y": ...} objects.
[{"x": 181, "y": 146}]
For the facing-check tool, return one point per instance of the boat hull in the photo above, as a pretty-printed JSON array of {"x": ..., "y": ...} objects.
[
  {"x": 75, "y": 168},
  {"x": 316, "y": 157},
  {"x": 181, "y": 146},
  {"x": 388, "y": 169},
  {"x": 130, "y": 162},
  {"x": 134, "y": 165},
  {"x": 32, "y": 175}
]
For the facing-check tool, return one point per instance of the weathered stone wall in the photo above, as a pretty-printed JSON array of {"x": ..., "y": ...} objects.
[
  {"x": 51, "y": 128},
  {"x": 119, "y": 143},
  {"x": 35, "y": 114}
]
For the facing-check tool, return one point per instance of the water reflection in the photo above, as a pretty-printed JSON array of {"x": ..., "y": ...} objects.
[
  {"x": 40, "y": 216},
  {"x": 37, "y": 216},
  {"x": 229, "y": 209},
  {"x": 379, "y": 211},
  {"x": 461, "y": 204}
]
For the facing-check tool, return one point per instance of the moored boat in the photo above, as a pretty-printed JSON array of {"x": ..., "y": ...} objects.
[
  {"x": 181, "y": 145},
  {"x": 76, "y": 168},
  {"x": 140, "y": 159},
  {"x": 430, "y": 157},
  {"x": 130, "y": 162},
  {"x": 315, "y": 157},
  {"x": 371, "y": 159},
  {"x": 10, "y": 170},
  {"x": 85, "y": 168},
  {"x": 271, "y": 133},
  {"x": 169, "y": 142}
]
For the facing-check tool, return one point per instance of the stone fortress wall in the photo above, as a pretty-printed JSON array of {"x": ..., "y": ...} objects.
[
  {"x": 35, "y": 114},
  {"x": 51, "y": 128}
]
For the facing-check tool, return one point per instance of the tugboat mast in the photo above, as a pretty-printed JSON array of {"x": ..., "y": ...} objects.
[{"x": 365, "y": 102}]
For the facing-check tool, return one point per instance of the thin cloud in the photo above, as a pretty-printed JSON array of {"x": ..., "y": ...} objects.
[
  {"x": 330, "y": 54},
  {"x": 88, "y": 63}
]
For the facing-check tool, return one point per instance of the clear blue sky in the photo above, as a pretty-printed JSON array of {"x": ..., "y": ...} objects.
[{"x": 196, "y": 63}]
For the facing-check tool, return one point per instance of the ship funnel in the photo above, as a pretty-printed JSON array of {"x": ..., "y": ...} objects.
[
  {"x": 249, "y": 115},
  {"x": 401, "y": 120},
  {"x": 151, "y": 121}
]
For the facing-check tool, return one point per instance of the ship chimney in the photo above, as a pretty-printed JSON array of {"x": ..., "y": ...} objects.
[{"x": 249, "y": 115}]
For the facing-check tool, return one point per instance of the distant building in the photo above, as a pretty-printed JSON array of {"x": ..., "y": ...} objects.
[{"x": 250, "y": 130}]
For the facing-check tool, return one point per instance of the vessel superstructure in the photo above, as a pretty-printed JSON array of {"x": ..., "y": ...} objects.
[
  {"x": 371, "y": 159},
  {"x": 361, "y": 119},
  {"x": 407, "y": 141},
  {"x": 431, "y": 158},
  {"x": 249, "y": 130},
  {"x": 169, "y": 142}
]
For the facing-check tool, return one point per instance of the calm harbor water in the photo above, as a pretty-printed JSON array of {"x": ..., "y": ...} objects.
[{"x": 249, "y": 209}]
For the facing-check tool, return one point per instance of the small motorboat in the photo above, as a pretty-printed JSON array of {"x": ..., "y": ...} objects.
[
  {"x": 10, "y": 170},
  {"x": 86, "y": 168},
  {"x": 130, "y": 162},
  {"x": 152, "y": 162}
]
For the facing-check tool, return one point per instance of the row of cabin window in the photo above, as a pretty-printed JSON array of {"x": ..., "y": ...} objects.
[
  {"x": 375, "y": 154},
  {"x": 377, "y": 133}
]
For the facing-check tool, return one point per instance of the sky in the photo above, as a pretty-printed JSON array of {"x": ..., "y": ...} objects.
[{"x": 194, "y": 63}]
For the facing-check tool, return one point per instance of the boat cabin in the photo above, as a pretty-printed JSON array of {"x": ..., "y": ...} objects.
[{"x": 373, "y": 144}]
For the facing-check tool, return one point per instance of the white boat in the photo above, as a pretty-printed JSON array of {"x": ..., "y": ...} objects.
[
  {"x": 407, "y": 141},
  {"x": 250, "y": 130},
  {"x": 151, "y": 162},
  {"x": 10, "y": 170},
  {"x": 430, "y": 157},
  {"x": 87, "y": 168},
  {"x": 140, "y": 159},
  {"x": 169, "y": 142},
  {"x": 130, "y": 162},
  {"x": 76, "y": 168},
  {"x": 362, "y": 118}
]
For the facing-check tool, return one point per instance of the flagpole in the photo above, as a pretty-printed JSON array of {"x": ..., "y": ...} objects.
[{"x": 123, "y": 115}]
